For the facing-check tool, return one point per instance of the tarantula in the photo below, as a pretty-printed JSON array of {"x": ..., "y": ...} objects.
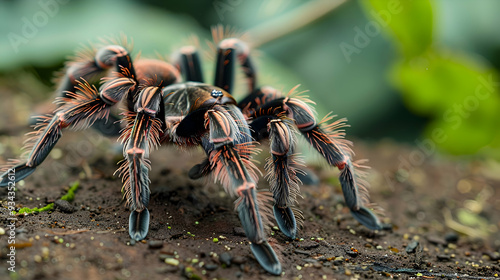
[{"x": 160, "y": 108}]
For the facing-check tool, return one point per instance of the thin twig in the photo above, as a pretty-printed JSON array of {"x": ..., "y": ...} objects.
[
  {"x": 456, "y": 226},
  {"x": 291, "y": 21},
  {"x": 69, "y": 232},
  {"x": 110, "y": 230}
]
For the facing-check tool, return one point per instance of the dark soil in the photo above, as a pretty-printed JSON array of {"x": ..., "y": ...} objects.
[{"x": 444, "y": 212}]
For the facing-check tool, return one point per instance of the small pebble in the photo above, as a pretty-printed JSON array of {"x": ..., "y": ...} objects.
[
  {"x": 309, "y": 260},
  {"x": 387, "y": 227},
  {"x": 2, "y": 231},
  {"x": 338, "y": 261},
  {"x": 225, "y": 258},
  {"x": 412, "y": 247},
  {"x": 239, "y": 231},
  {"x": 211, "y": 267},
  {"x": 451, "y": 237},
  {"x": 245, "y": 268},
  {"x": 494, "y": 256},
  {"x": 297, "y": 251},
  {"x": 436, "y": 240},
  {"x": 167, "y": 251},
  {"x": 239, "y": 260},
  {"x": 155, "y": 244},
  {"x": 172, "y": 261},
  {"x": 37, "y": 258},
  {"x": 352, "y": 253},
  {"x": 166, "y": 269},
  {"x": 308, "y": 245},
  {"x": 443, "y": 257},
  {"x": 45, "y": 252}
]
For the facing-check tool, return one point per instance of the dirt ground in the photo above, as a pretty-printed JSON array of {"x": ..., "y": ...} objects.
[{"x": 444, "y": 215}]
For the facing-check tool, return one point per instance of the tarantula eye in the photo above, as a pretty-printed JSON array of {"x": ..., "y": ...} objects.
[{"x": 216, "y": 93}]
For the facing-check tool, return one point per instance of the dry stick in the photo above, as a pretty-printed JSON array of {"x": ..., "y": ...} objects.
[
  {"x": 291, "y": 21},
  {"x": 68, "y": 232},
  {"x": 456, "y": 226}
]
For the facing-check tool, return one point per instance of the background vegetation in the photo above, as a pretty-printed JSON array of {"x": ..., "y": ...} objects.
[{"x": 414, "y": 71}]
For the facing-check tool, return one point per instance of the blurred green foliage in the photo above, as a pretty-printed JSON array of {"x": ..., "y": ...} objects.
[
  {"x": 457, "y": 90},
  {"x": 410, "y": 22}
]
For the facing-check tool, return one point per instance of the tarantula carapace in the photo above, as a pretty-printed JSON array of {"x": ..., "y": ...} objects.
[{"x": 160, "y": 108}]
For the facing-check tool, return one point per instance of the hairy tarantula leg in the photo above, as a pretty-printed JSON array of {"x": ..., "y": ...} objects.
[
  {"x": 257, "y": 98},
  {"x": 81, "y": 109},
  {"x": 200, "y": 170},
  {"x": 258, "y": 126},
  {"x": 204, "y": 168},
  {"x": 328, "y": 140},
  {"x": 247, "y": 206},
  {"x": 187, "y": 60},
  {"x": 88, "y": 68},
  {"x": 105, "y": 58},
  {"x": 230, "y": 163},
  {"x": 227, "y": 51},
  {"x": 282, "y": 174},
  {"x": 140, "y": 135}
]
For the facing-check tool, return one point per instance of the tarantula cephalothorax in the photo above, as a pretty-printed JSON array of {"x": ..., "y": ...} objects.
[{"x": 159, "y": 108}]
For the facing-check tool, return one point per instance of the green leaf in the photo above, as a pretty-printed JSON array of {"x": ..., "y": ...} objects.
[
  {"x": 409, "y": 22},
  {"x": 470, "y": 219},
  {"x": 459, "y": 93}
]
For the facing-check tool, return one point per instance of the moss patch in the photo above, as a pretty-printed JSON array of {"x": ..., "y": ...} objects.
[{"x": 68, "y": 196}]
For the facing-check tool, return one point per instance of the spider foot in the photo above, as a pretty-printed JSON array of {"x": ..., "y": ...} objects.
[
  {"x": 286, "y": 221},
  {"x": 139, "y": 224},
  {"x": 367, "y": 218},
  {"x": 266, "y": 257},
  {"x": 20, "y": 172},
  {"x": 200, "y": 170}
]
